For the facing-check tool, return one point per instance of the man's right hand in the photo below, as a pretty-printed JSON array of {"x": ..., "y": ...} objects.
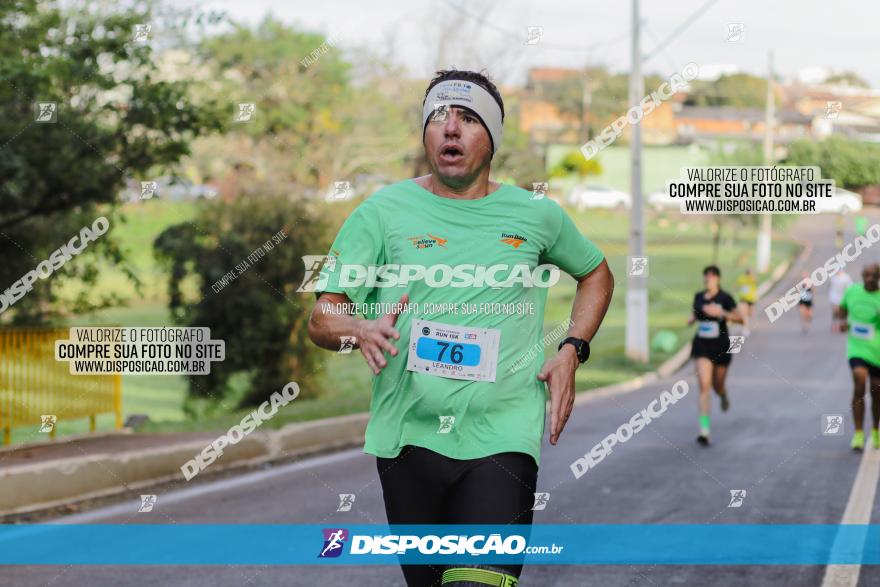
[{"x": 373, "y": 337}]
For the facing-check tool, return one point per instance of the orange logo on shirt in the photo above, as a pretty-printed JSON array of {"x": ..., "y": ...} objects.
[
  {"x": 421, "y": 242},
  {"x": 513, "y": 240}
]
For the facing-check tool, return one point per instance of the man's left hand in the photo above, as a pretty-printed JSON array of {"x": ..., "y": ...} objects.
[{"x": 558, "y": 372}]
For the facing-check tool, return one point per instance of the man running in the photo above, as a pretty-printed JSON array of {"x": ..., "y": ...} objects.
[
  {"x": 458, "y": 406},
  {"x": 712, "y": 308},
  {"x": 748, "y": 291},
  {"x": 860, "y": 314},
  {"x": 805, "y": 302}
]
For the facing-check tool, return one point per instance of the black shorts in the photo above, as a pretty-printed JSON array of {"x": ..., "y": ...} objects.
[
  {"x": 806, "y": 303},
  {"x": 714, "y": 349},
  {"x": 420, "y": 486},
  {"x": 873, "y": 370}
]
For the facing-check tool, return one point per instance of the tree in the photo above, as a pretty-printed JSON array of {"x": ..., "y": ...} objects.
[
  {"x": 851, "y": 164},
  {"x": 847, "y": 78},
  {"x": 313, "y": 125},
  {"x": 518, "y": 158},
  {"x": 574, "y": 163},
  {"x": 740, "y": 90},
  {"x": 246, "y": 294},
  {"x": 608, "y": 99},
  {"x": 114, "y": 118}
]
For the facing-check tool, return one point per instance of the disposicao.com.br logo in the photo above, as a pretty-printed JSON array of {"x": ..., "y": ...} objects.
[
  {"x": 441, "y": 275},
  {"x": 430, "y": 544}
]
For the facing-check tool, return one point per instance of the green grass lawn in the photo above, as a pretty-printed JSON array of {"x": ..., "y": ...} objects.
[
  {"x": 678, "y": 248},
  {"x": 159, "y": 396}
]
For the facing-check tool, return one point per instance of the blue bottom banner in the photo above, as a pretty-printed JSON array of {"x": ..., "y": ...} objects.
[{"x": 569, "y": 544}]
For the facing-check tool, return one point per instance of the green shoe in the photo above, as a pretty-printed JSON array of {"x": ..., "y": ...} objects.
[
  {"x": 858, "y": 440},
  {"x": 875, "y": 438}
]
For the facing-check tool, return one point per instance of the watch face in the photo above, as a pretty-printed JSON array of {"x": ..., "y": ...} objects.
[
  {"x": 582, "y": 350},
  {"x": 580, "y": 347}
]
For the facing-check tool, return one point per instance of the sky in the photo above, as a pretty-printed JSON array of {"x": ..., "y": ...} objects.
[{"x": 492, "y": 34}]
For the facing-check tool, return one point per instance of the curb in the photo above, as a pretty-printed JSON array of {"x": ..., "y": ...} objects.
[
  {"x": 36, "y": 486},
  {"x": 67, "y": 438}
]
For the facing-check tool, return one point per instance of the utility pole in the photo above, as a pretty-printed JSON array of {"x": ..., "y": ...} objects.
[
  {"x": 637, "y": 286},
  {"x": 766, "y": 231},
  {"x": 586, "y": 104}
]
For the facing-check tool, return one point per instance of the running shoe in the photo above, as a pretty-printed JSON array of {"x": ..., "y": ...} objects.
[
  {"x": 703, "y": 440},
  {"x": 875, "y": 438},
  {"x": 858, "y": 440},
  {"x": 725, "y": 403}
]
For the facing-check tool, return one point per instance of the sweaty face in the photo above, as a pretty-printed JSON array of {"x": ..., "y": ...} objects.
[
  {"x": 457, "y": 146},
  {"x": 871, "y": 276}
]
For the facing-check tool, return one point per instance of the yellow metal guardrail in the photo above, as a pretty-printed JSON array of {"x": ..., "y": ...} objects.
[{"x": 33, "y": 384}]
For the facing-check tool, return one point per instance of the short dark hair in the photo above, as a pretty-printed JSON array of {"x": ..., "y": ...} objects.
[
  {"x": 712, "y": 269},
  {"x": 469, "y": 76}
]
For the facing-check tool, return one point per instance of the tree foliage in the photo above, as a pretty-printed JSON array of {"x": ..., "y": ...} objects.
[
  {"x": 847, "y": 78},
  {"x": 116, "y": 118},
  {"x": 607, "y": 95},
  {"x": 574, "y": 163},
  {"x": 740, "y": 90},
  {"x": 313, "y": 124},
  {"x": 245, "y": 286},
  {"x": 851, "y": 164}
]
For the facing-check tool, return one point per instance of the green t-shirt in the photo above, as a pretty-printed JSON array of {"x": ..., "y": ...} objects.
[
  {"x": 863, "y": 314},
  {"x": 405, "y": 224}
]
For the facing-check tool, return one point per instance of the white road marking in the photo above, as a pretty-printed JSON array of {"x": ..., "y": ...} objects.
[{"x": 858, "y": 511}]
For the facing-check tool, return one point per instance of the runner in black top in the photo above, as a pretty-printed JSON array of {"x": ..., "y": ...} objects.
[
  {"x": 805, "y": 304},
  {"x": 712, "y": 308}
]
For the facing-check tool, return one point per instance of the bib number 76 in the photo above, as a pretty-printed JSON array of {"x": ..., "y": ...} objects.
[{"x": 455, "y": 354}]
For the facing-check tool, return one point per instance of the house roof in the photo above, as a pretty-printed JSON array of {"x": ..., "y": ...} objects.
[{"x": 747, "y": 114}]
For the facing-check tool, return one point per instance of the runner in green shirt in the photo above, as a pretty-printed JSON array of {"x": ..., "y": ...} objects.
[
  {"x": 860, "y": 315},
  {"x": 452, "y": 272}
]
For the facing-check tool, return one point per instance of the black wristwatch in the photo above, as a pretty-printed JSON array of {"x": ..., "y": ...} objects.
[{"x": 581, "y": 346}]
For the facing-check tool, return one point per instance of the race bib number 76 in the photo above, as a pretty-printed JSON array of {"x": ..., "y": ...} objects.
[{"x": 456, "y": 352}]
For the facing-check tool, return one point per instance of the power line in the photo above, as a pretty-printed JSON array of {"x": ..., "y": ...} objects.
[
  {"x": 680, "y": 29},
  {"x": 661, "y": 49},
  {"x": 553, "y": 46}
]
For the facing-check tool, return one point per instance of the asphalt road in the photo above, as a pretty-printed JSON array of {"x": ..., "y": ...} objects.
[{"x": 769, "y": 444}]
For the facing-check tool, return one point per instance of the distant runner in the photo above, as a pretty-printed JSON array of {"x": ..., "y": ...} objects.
[
  {"x": 458, "y": 403},
  {"x": 748, "y": 291},
  {"x": 805, "y": 304},
  {"x": 861, "y": 225},
  {"x": 712, "y": 308},
  {"x": 860, "y": 314}
]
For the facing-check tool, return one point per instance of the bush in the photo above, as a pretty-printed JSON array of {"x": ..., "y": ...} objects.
[
  {"x": 256, "y": 308},
  {"x": 851, "y": 164}
]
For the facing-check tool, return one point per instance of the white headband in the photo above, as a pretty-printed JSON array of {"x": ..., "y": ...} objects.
[{"x": 468, "y": 95}]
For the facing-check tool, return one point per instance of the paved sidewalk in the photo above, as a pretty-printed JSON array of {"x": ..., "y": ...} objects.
[{"x": 83, "y": 445}]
